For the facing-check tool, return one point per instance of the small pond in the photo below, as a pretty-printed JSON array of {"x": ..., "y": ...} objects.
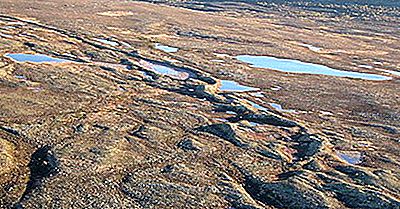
[
  {"x": 165, "y": 70},
  {"x": 296, "y": 66},
  {"x": 37, "y": 58},
  {"x": 168, "y": 49},
  {"x": 108, "y": 42},
  {"x": 228, "y": 85}
]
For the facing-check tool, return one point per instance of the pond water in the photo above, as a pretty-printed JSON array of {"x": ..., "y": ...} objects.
[
  {"x": 221, "y": 120},
  {"x": 105, "y": 41},
  {"x": 165, "y": 70},
  {"x": 230, "y": 112},
  {"x": 397, "y": 73},
  {"x": 366, "y": 66},
  {"x": 326, "y": 113},
  {"x": 350, "y": 157},
  {"x": 296, "y": 66},
  {"x": 221, "y": 55},
  {"x": 228, "y": 85},
  {"x": 22, "y": 77},
  {"x": 257, "y": 94},
  {"x": 37, "y": 58},
  {"x": 6, "y": 35},
  {"x": 311, "y": 47},
  {"x": 168, "y": 49},
  {"x": 276, "y": 88},
  {"x": 279, "y": 108},
  {"x": 257, "y": 106},
  {"x": 216, "y": 60}
]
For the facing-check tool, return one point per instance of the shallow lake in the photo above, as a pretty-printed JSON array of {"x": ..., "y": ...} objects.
[
  {"x": 350, "y": 157},
  {"x": 108, "y": 42},
  {"x": 165, "y": 48},
  {"x": 279, "y": 107},
  {"x": 37, "y": 58},
  {"x": 296, "y": 66},
  {"x": 165, "y": 70},
  {"x": 228, "y": 85}
]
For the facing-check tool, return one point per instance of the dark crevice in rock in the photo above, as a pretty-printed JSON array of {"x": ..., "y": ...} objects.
[
  {"x": 269, "y": 153},
  {"x": 79, "y": 128},
  {"x": 238, "y": 109},
  {"x": 388, "y": 129},
  {"x": 196, "y": 91},
  {"x": 287, "y": 175},
  {"x": 224, "y": 131},
  {"x": 167, "y": 169},
  {"x": 102, "y": 127},
  {"x": 357, "y": 175},
  {"x": 139, "y": 132},
  {"x": 200, "y": 92},
  {"x": 188, "y": 145},
  {"x": 269, "y": 119},
  {"x": 206, "y": 36},
  {"x": 30, "y": 45},
  {"x": 10, "y": 130}
]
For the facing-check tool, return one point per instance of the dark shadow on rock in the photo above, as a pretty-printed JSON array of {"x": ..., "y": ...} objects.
[
  {"x": 269, "y": 153},
  {"x": 43, "y": 164},
  {"x": 238, "y": 109},
  {"x": 306, "y": 145},
  {"x": 283, "y": 193},
  {"x": 269, "y": 119},
  {"x": 224, "y": 131},
  {"x": 357, "y": 175},
  {"x": 354, "y": 197},
  {"x": 188, "y": 145},
  {"x": 9, "y": 130}
]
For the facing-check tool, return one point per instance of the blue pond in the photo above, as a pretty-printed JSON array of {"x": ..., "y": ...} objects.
[
  {"x": 280, "y": 108},
  {"x": 296, "y": 66},
  {"x": 257, "y": 106},
  {"x": 350, "y": 157},
  {"x": 392, "y": 72},
  {"x": 108, "y": 42},
  {"x": 227, "y": 85},
  {"x": 165, "y": 70},
  {"x": 38, "y": 58},
  {"x": 164, "y": 48}
]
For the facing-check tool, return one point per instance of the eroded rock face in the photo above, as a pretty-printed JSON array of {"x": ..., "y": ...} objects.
[
  {"x": 13, "y": 172},
  {"x": 7, "y": 158},
  {"x": 288, "y": 191},
  {"x": 282, "y": 194}
]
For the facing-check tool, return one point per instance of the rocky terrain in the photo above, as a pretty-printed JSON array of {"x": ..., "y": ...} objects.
[{"x": 108, "y": 116}]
